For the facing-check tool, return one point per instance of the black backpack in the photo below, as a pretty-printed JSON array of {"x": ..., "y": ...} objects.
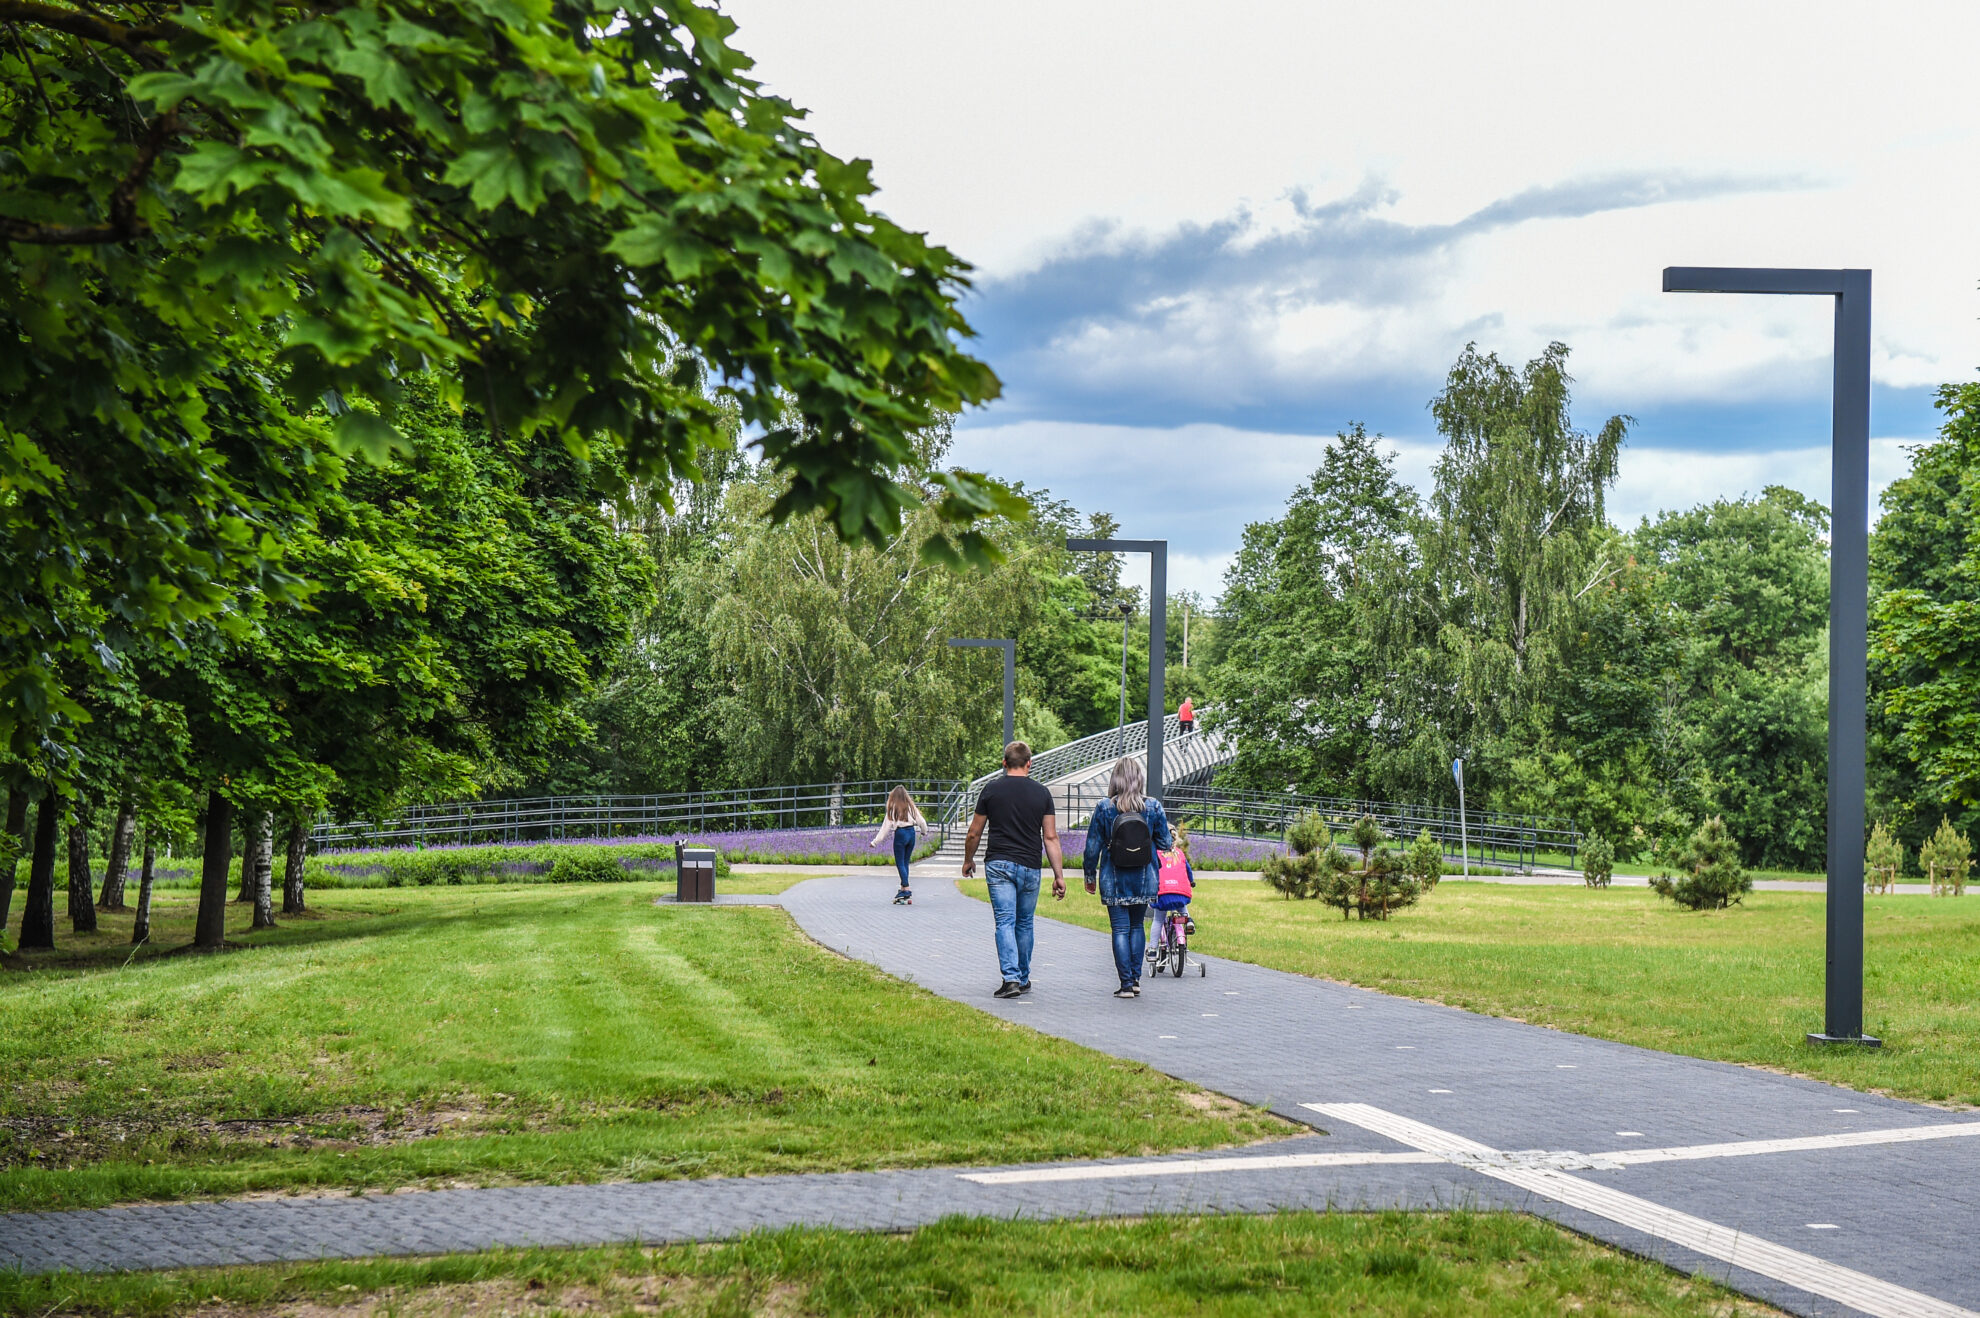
[{"x": 1130, "y": 846}]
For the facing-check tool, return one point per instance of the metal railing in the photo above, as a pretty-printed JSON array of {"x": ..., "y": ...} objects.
[
  {"x": 1186, "y": 758},
  {"x": 550, "y": 818},
  {"x": 1493, "y": 836}
]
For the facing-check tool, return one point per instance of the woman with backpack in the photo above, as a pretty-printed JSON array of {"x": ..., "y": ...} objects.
[{"x": 1126, "y": 831}]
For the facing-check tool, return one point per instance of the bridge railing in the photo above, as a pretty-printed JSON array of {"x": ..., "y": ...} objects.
[
  {"x": 1183, "y": 757},
  {"x": 551, "y": 818},
  {"x": 1493, "y": 836}
]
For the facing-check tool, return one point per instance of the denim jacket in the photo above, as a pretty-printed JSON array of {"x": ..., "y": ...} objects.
[{"x": 1132, "y": 887}]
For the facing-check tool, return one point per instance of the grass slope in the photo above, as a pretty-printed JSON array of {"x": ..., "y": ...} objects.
[
  {"x": 1487, "y": 1265},
  {"x": 535, "y": 1034},
  {"x": 1742, "y": 985}
]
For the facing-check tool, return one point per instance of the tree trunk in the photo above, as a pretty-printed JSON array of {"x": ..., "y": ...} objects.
[
  {"x": 119, "y": 864},
  {"x": 211, "y": 929},
  {"x": 38, "y": 919},
  {"x": 17, "y": 827},
  {"x": 262, "y": 824},
  {"x": 292, "y": 868},
  {"x": 838, "y": 800},
  {"x": 82, "y": 890},
  {"x": 141, "y": 928},
  {"x": 250, "y": 839}
]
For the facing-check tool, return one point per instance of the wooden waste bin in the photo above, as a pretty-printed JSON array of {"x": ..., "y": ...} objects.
[{"x": 695, "y": 875}]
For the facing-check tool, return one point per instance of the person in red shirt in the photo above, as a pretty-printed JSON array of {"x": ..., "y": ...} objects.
[{"x": 1188, "y": 716}]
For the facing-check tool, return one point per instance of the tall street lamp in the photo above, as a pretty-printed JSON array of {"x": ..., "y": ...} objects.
[
  {"x": 1126, "y": 608},
  {"x": 1849, "y": 609},
  {"x": 1158, "y": 634},
  {"x": 1010, "y": 678}
]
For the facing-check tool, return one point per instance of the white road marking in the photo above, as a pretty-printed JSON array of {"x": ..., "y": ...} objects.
[
  {"x": 1816, "y": 1276},
  {"x": 1564, "y": 1066},
  {"x": 1193, "y": 1167},
  {"x": 1823, "y": 1226},
  {"x": 1440, "y": 1091},
  {"x": 1852, "y": 1139},
  {"x": 1630, "y": 1134},
  {"x": 1405, "y": 1047},
  {"x": 1209, "y": 1013},
  {"x": 1165, "y": 1036},
  {"x": 1842, "y": 1109}
]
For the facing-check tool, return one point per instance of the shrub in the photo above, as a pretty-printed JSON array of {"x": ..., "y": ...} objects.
[
  {"x": 1424, "y": 861},
  {"x": 588, "y": 867},
  {"x": 1946, "y": 858},
  {"x": 1311, "y": 861},
  {"x": 1709, "y": 874},
  {"x": 1598, "y": 861},
  {"x": 1882, "y": 859},
  {"x": 428, "y": 869}
]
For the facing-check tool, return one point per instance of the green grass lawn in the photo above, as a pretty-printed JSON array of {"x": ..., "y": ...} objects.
[
  {"x": 526, "y": 1034},
  {"x": 1742, "y": 985},
  {"x": 1479, "y": 1265}
]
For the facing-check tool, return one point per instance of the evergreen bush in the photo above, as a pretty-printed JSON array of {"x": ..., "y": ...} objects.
[
  {"x": 1310, "y": 862},
  {"x": 1709, "y": 873},
  {"x": 1425, "y": 860},
  {"x": 1598, "y": 861},
  {"x": 1946, "y": 858},
  {"x": 1882, "y": 859}
]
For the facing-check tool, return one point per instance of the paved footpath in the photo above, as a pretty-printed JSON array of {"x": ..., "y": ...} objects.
[{"x": 1820, "y": 1199}]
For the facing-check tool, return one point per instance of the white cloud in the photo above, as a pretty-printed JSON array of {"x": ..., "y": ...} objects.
[{"x": 1198, "y": 485}]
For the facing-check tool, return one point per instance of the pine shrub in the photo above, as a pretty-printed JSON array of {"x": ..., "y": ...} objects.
[
  {"x": 1882, "y": 859},
  {"x": 1709, "y": 875},
  {"x": 1598, "y": 861},
  {"x": 1424, "y": 861},
  {"x": 1946, "y": 858}
]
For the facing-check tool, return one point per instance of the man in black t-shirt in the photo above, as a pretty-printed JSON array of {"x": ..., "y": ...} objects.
[{"x": 1023, "y": 822}]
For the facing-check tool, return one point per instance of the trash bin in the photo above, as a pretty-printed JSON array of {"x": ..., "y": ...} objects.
[{"x": 695, "y": 874}]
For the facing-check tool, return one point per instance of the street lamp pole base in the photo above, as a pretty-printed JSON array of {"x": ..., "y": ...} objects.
[{"x": 1860, "y": 1040}]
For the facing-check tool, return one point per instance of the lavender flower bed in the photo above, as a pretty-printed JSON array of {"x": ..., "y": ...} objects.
[{"x": 810, "y": 846}]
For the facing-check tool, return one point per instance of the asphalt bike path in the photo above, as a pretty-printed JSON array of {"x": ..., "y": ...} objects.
[{"x": 1819, "y": 1199}]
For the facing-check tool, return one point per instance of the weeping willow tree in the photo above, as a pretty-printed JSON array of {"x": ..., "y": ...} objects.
[{"x": 833, "y": 657}]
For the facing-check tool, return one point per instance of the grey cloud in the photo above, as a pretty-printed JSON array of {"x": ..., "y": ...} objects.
[{"x": 1205, "y": 294}]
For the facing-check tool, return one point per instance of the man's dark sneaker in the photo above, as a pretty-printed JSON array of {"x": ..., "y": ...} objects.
[
  {"x": 1025, "y": 987},
  {"x": 1008, "y": 989},
  {"x": 1123, "y": 992},
  {"x": 1136, "y": 988}
]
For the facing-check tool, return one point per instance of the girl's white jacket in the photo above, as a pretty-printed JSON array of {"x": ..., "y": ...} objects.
[{"x": 914, "y": 820}]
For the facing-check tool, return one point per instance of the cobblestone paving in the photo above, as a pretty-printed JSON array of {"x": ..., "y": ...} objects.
[{"x": 1901, "y": 1213}]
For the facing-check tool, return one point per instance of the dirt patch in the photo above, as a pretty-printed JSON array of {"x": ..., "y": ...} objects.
[
  {"x": 52, "y": 1142},
  {"x": 500, "y": 1299},
  {"x": 1204, "y": 1101}
]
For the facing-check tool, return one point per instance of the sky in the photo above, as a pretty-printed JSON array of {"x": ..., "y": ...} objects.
[{"x": 1206, "y": 238}]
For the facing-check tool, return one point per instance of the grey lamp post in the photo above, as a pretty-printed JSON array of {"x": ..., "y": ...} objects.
[
  {"x": 1120, "y": 727},
  {"x": 1849, "y": 609},
  {"x": 1158, "y": 634},
  {"x": 1010, "y": 679}
]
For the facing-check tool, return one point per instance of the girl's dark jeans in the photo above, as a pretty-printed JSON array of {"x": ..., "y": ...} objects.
[
  {"x": 1130, "y": 941},
  {"x": 903, "y": 852}
]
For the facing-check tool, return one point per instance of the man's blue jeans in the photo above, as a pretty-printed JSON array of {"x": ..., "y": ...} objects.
[
  {"x": 1130, "y": 941},
  {"x": 1014, "y": 901}
]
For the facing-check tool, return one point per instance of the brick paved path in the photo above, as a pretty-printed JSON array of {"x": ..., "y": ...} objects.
[{"x": 1420, "y": 1102}]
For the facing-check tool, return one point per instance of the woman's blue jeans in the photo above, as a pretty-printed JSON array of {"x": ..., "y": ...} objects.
[
  {"x": 1130, "y": 941},
  {"x": 903, "y": 852}
]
